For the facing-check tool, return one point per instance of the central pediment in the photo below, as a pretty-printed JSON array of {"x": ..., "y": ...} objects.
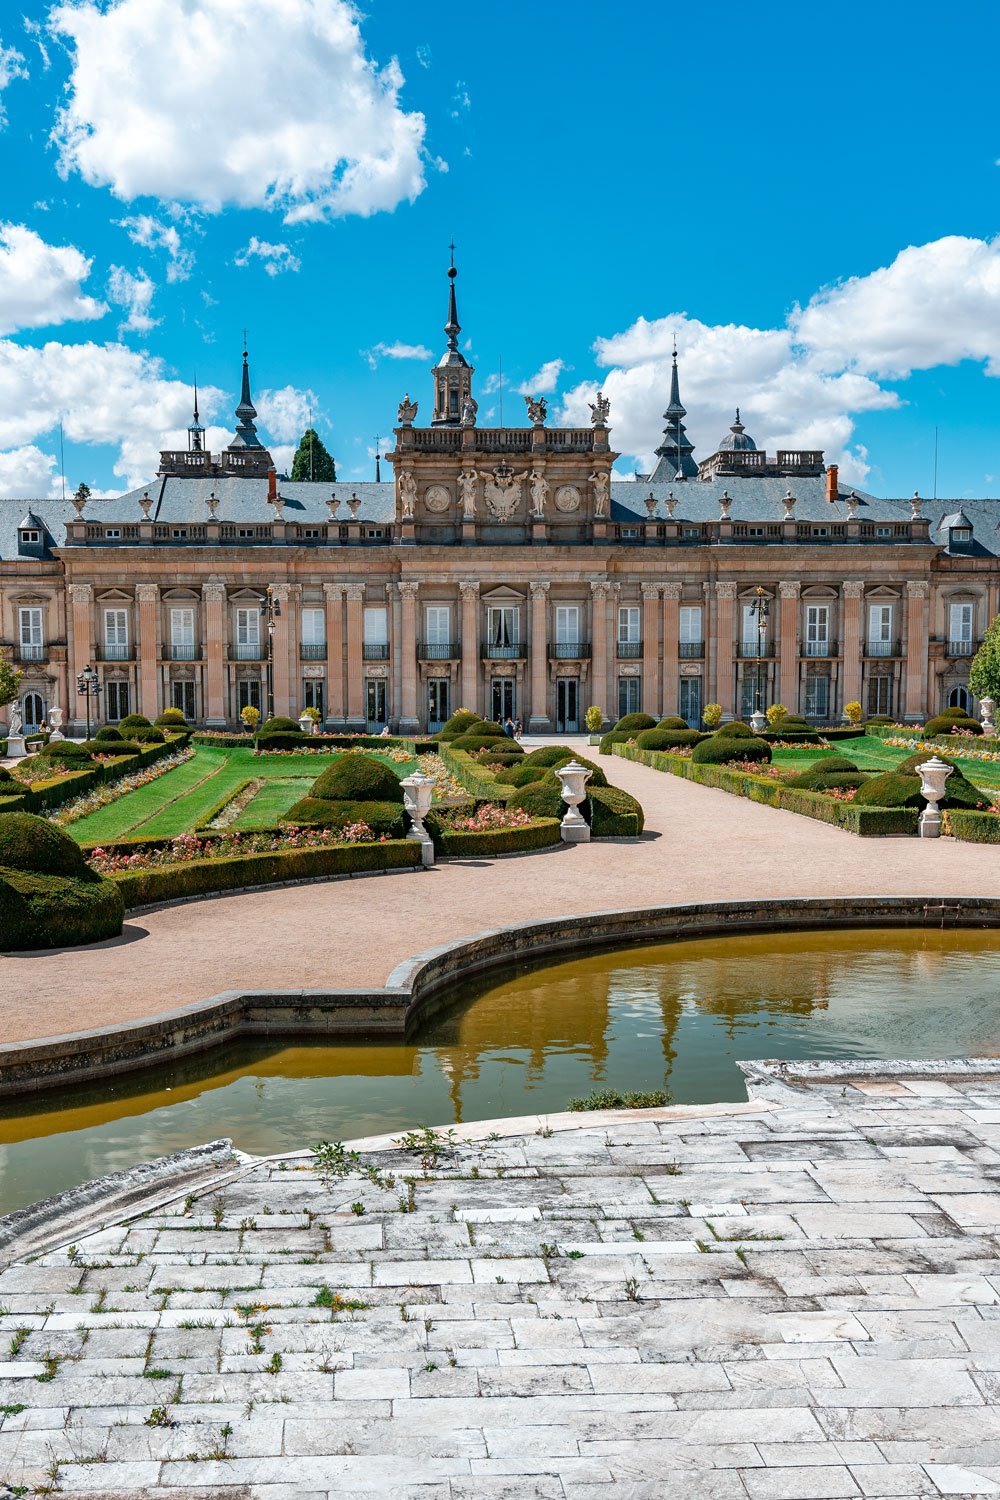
[{"x": 503, "y": 595}]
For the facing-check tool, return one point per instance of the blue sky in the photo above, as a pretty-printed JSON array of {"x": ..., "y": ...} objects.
[{"x": 807, "y": 199}]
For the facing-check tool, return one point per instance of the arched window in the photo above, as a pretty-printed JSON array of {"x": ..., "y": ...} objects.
[
  {"x": 32, "y": 710},
  {"x": 959, "y": 698}
]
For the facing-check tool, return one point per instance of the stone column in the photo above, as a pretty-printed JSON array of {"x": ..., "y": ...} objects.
[
  {"x": 651, "y": 649},
  {"x": 279, "y": 651},
  {"x": 215, "y": 633},
  {"x": 851, "y": 643},
  {"x": 409, "y": 723},
  {"x": 469, "y": 589},
  {"x": 539, "y": 721},
  {"x": 356, "y": 714},
  {"x": 670, "y": 703},
  {"x": 916, "y": 649},
  {"x": 147, "y": 598},
  {"x": 334, "y": 593},
  {"x": 81, "y": 597},
  {"x": 725, "y": 594},
  {"x": 788, "y": 690},
  {"x": 599, "y": 646}
]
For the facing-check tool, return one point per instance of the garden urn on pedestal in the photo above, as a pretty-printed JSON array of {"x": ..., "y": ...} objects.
[
  {"x": 306, "y": 724},
  {"x": 758, "y": 721},
  {"x": 55, "y": 724},
  {"x": 418, "y": 790},
  {"x": 987, "y": 708},
  {"x": 574, "y": 828},
  {"x": 933, "y": 775}
]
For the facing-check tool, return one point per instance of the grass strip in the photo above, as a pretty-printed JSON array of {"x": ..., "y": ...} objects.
[
  {"x": 272, "y": 802},
  {"x": 118, "y": 818}
]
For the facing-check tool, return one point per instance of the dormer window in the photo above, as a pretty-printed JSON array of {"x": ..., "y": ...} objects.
[
  {"x": 960, "y": 534},
  {"x": 112, "y": 533},
  {"x": 33, "y": 537}
]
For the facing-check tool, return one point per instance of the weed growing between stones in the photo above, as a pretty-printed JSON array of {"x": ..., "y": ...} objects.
[{"x": 612, "y": 1099}]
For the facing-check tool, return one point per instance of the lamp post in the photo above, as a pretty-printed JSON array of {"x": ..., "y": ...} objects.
[
  {"x": 88, "y": 685},
  {"x": 760, "y": 609},
  {"x": 270, "y": 609}
]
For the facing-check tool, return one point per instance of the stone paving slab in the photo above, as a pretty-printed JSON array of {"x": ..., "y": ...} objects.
[{"x": 795, "y": 1299}]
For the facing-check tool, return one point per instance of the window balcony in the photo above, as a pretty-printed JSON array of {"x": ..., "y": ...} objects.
[
  {"x": 115, "y": 653},
  {"x": 438, "y": 650},
  {"x": 961, "y": 648},
  {"x": 184, "y": 653},
  {"x": 28, "y": 652},
  {"x": 375, "y": 651},
  {"x": 883, "y": 648},
  {"x": 629, "y": 650},
  {"x": 755, "y": 650},
  {"x": 569, "y": 650},
  {"x": 312, "y": 650},
  {"x": 246, "y": 651},
  {"x": 691, "y": 649},
  {"x": 493, "y": 651},
  {"x": 819, "y": 648}
]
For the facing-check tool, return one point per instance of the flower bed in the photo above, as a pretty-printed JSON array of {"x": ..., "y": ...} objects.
[
  {"x": 959, "y": 751},
  {"x": 491, "y": 830},
  {"x": 188, "y": 846}
]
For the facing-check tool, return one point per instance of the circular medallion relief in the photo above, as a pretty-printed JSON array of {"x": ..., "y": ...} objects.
[
  {"x": 436, "y": 497},
  {"x": 567, "y": 498}
]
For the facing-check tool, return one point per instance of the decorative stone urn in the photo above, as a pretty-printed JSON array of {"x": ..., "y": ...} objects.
[
  {"x": 306, "y": 724},
  {"x": 987, "y": 708},
  {"x": 933, "y": 775},
  {"x": 575, "y": 828},
  {"x": 758, "y": 721},
  {"x": 55, "y": 724},
  {"x": 418, "y": 791}
]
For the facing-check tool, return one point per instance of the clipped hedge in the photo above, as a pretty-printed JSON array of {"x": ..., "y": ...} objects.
[
  {"x": 319, "y": 812},
  {"x": 597, "y": 776},
  {"x": 868, "y": 822},
  {"x": 972, "y": 827},
  {"x": 357, "y": 778},
  {"x": 477, "y": 783},
  {"x": 223, "y": 802},
  {"x": 134, "y": 721},
  {"x": 737, "y": 729},
  {"x": 52, "y": 788},
  {"x": 667, "y": 739},
  {"x": 199, "y": 877},
  {"x": 632, "y": 723},
  {"x": 539, "y": 834},
  {"x": 673, "y": 721},
  {"x": 459, "y": 723},
  {"x": 612, "y": 738},
  {"x": 511, "y": 776},
  {"x": 477, "y": 741},
  {"x": 614, "y": 813},
  {"x": 539, "y": 800},
  {"x": 718, "y": 749},
  {"x": 39, "y": 910},
  {"x": 549, "y": 755}
]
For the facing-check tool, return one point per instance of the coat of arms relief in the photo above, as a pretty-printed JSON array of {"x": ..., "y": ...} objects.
[{"x": 502, "y": 492}]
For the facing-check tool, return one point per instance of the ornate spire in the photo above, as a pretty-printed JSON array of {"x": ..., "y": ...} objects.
[
  {"x": 453, "y": 403},
  {"x": 196, "y": 433},
  {"x": 246, "y": 432},
  {"x": 674, "y": 460},
  {"x": 453, "y": 327}
]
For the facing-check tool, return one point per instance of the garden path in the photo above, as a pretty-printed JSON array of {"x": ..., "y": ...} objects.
[{"x": 700, "y": 844}]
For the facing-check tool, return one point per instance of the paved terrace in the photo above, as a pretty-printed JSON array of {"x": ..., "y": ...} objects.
[
  {"x": 798, "y": 1297},
  {"x": 700, "y": 844}
]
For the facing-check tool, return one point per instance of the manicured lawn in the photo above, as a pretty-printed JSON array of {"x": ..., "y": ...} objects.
[
  {"x": 273, "y": 801},
  {"x": 121, "y": 817},
  {"x": 871, "y": 754}
]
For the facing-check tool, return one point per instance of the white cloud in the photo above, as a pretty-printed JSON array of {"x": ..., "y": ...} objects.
[
  {"x": 803, "y": 384},
  {"x": 275, "y": 257},
  {"x": 135, "y": 294},
  {"x": 545, "y": 381},
  {"x": 153, "y": 235},
  {"x": 396, "y": 351},
  {"x": 28, "y": 474},
  {"x": 159, "y": 104},
  {"x": 40, "y": 283},
  {"x": 285, "y": 414},
  {"x": 11, "y": 67}
]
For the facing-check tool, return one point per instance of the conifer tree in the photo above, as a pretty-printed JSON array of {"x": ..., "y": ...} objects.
[
  {"x": 984, "y": 674},
  {"x": 312, "y": 461}
]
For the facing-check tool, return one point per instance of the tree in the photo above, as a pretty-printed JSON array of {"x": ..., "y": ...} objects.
[
  {"x": 984, "y": 674},
  {"x": 312, "y": 461},
  {"x": 83, "y": 492},
  {"x": 10, "y": 681}
]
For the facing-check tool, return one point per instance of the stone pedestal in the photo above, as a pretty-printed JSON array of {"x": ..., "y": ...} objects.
[
  {"x": 469, "y": 533},
  {"x": 539, "y": 533},
  {"x": 574, "y": 828},
  {"x": 16, "y": 746}
]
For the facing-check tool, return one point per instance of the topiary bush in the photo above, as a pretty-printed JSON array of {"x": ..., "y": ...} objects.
[
  {"x": 831, "y": 763},
  {"x": 172, "y": 719},
  {"x": 614, "y": 813},
  {"x": 722, "y": 749},
  {"x": 890, "y": 790},
  {"x": 11, "y": 787},
  {"x": 109, "y": 732},
  {"x": 632, "y": 723},
  {"x": 38, "y": 910},
  {"x": 491, "y": 730},
  {"x": 134, "y": 721},
  {"x": 825, "y": 781},
  {"x": 66, "y": 750},
  {"x": 550, "y": 755},
  {"x": 597, "y": 776},
  {"x": 358, "y": 778},
  {"x": 667, "y": 739},
  {"x": 477, "y": 741},
  {"x": 945, "y": 723},
  {"x": 111, "y": 747},
  {"x": 613, "y": 737},
  {"x": 279, "y": 724},
  {"x": 150, "y": 736},
  {"x": 459, "y": 723},
  {"x": 673, "y": 722},
  {"x": 30, "y": 843},
  {"x": 735, "y": 728},
  {"x": 318, "y": 812},
  {"x": 539, "y": 799},
  {"x": 511, "y": 776}
]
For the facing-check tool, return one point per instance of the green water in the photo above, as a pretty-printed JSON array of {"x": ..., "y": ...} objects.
[{"x": 674, "y": 1016}]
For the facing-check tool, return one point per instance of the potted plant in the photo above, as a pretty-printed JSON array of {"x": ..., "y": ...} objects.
[
  {"x": 594, "y": 720},
  {"x": 251, "y": 718},
  {"x": 712, "y": 715}
]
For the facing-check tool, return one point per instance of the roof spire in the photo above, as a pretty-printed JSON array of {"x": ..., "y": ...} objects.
[
  {"x": 196, "y": 432},
  {"x": 246, "y": 432},
  {"x": 452, "y": 328},
  {"x": 453, "y": 401},
  {"x": 674, "y": 453}
]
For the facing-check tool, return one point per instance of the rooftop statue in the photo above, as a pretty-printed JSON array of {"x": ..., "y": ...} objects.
[
  {"x": 600, "y": 410},
  {"x": 537, "y": 410},
  {"x": 406, "y": 413}
]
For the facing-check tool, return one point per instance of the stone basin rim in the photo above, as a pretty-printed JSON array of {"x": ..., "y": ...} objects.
[{"x": 435, "y": 973}]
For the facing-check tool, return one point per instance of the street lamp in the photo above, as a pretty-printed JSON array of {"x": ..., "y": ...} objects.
[
  {"x": 760, "y": 608},
  {"x": 270, "y": 609},
  {"x": 88, "y": 685}
]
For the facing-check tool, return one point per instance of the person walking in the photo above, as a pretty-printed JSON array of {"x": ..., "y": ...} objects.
[{"x": 518, "y": 729}]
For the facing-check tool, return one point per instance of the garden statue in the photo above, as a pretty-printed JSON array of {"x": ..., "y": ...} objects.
[
  {"x": 933, "y": 775},
  {"x": 539, "y": 494},
  {"x": 15, "y": 736},
  {"x": 574, "y": 829},
  {"x": 418, "y": 790},
  {"x": 470, "y": 407},
  {"x": 406, "y": 412}
]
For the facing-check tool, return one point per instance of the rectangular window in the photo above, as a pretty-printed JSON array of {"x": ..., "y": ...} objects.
[
  {"x": 116, "y": 627},
  {"x": 312, "y": 695},
  {"x": 376, "y": 625},
  {"x": 690, "y": 701},
  {"x": 880, "y": 695},
  {"x": 31, "y": 633},
  {"x": 817, "y": 629},
  {"x": 376, "y": 701},
  {"x": 182, "y": 697},
  {"x": 437, "y": 702},
  {"x": 182, "y": 627},
  {"x": 628, "y": 626},
  {"x": 313, "y": 627},
  {"x": 880, "y": 630},
  {"x": 503, "y": 625},
  {"x": 438, "y": 624},
  {"x": 116, "y": 701},
  {"x": 960, "y": 628},
  {"x": 567, "y": 624},
  {"x": 248, "y": 628},
  {"x": 113, "y": 533},
  {"x": 690, "y": 625},
  {"x": 817, "y": 697},
  {"x": 179, "y": 533},
  {"x": 248, "y": 694},
  {"x": 628, "y": 695}
]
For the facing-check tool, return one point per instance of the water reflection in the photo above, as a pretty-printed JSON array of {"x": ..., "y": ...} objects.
[{"x": 530, "y": 1038}]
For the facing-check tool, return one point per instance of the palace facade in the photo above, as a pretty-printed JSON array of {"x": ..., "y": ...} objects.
[{"x": 501, "y": 569}]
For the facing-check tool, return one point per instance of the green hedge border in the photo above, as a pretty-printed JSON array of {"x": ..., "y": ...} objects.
[
  {"x": 200, "y": 877},
  {"x": 321, "y": 741},
  {"x": 477, "y": 783},
  {"x": 59, "y": 789},
  {"x": 972, "y": 827},
  {"x": 539, "y": 834},
  {"x": 867, "y": 822}
]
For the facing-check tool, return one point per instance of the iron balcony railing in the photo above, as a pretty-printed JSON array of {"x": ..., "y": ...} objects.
[
  {"x": 375, "y": 651},
  {"x": 494, "y": 651},
  {"x": 883, "y": 648},
  {"x": 819, "y": 648},
  {"x": 438, "y": 651},
  {"x": 629, "y": 650},
  {"x": 312, "y": 650},
  {"x": 27, "y": 652},
  {"x": 755, "y": 649},
  {"x": 961, "y": 648},
  {"x": 691, "y": 648},
  {"x": 246, "y": 651},
  {"x": 569, "y": 650},
  {"x": 185, "y": 653},
  {"x": 115, "y": 653}
]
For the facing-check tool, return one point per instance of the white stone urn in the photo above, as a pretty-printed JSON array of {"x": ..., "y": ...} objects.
[
  {"x": 418, "y": 792},
  {"x": 306, "y": 724},
  {"x": 758, "y": 721},
  {"x": 55, "y": 724},
  {"x": 987, "y": 708},
  {"x": 933, "y": 775},
  {"x": 574, "y": 829}
]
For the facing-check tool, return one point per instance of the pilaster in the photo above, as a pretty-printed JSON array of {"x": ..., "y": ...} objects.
[
  {"x": 334, "y": 594},
  {"x": 851, "y": 646},
  {"x": 651, "y": 649},
  {"x": 539, "y": 721},
  {"x": 279, "y": 651},
  {"x": 469, "y": 590},
  {"x": 599, "y": 645},
  {"x": 147, "y": 600},
  {"x": 356, "y": 718},
  {"x": 214, "y": 602},
  {"x": 409, "y": 722},
  {"x": 81, "y": 598},
  {"x": 916, "y": 649},
  {"x": 788, "y": 689},
  {"x": 722, "y": 644},
  {"x": 670, "y": 701}
]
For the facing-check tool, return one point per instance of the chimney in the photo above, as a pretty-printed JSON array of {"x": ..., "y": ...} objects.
[
  {"x": 272, "y": 484},
  {"x": 832, "y": 489}
]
